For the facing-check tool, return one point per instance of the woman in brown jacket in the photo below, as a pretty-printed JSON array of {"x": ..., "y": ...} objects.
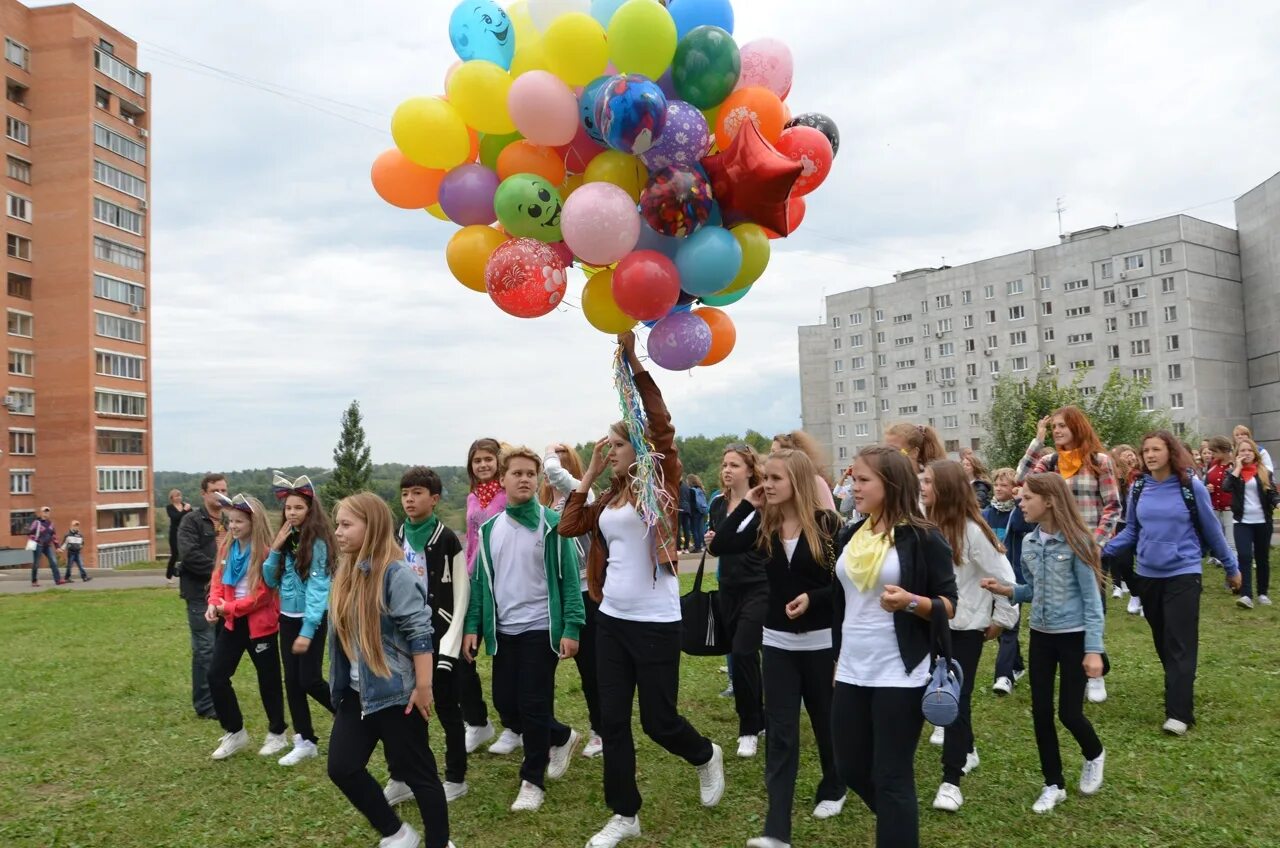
[{"x": 631, "y": 572}]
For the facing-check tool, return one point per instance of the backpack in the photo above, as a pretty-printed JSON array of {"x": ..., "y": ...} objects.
[
  {"x": 1188, "y": 499},
  {"x": 700, "y": 500}
]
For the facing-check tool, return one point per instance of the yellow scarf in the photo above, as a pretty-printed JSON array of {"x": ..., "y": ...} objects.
[
  {"x": 864, "y": 555},
  {"x": 1069, "y": 462}
]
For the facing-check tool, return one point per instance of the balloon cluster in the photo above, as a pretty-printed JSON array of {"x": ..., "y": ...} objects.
[{"x": 633, "y": 138}]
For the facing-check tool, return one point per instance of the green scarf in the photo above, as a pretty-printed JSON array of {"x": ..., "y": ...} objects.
[
  {"x": 527, "y": 514},
  {"x": 417, "y": 535}
]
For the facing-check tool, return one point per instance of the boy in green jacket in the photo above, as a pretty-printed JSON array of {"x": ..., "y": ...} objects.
[{"x": 525, "y": 601}]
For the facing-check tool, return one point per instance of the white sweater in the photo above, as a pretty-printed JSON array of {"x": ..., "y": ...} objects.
[{"x": 978, "y": 608}]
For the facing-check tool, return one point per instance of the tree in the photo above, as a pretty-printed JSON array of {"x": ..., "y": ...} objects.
[
  {"x": 353, "y": 470},
  {"x": 1116, "y": 411}
]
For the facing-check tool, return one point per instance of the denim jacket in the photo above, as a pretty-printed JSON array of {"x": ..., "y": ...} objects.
[
  {"x": 1062, "y": 589},
  {"x": 406, "y": 633},
  {"x": 310, "y": 597}
]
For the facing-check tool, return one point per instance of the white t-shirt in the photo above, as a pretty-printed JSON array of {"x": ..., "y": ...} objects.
[
  {"x": 812, "y": 640},
  {"x": 1252, "y": 511},
  {"x": 242, "y": 587},
  {"x": 869, "y": 654},
  {"x": 519, "y": 577},
  {"x": 631, "y": 591}
]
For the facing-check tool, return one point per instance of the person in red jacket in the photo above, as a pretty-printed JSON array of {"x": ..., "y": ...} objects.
[
  {"x": 250, "y": 610},
  {"x": 1222, "y": 451}
]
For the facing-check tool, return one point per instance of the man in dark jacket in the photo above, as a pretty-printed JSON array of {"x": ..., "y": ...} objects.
[{"x": 199, "y": 535}]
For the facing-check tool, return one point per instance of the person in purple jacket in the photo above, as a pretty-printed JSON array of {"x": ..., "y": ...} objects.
[{"x": 1170, "y": 522}]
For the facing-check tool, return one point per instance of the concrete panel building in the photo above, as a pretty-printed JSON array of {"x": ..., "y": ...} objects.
[
  {"x": 77, "y": 404},
  {"x": 1258, "y": 217}
]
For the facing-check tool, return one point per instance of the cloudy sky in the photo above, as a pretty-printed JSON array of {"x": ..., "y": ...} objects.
[{"x": 284, "y": 288}]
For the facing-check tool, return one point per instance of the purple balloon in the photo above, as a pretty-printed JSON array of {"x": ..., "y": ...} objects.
[
  {"x": 668, "y": 86},
  {"x": 684, "y": 140},
  {"x": 466, "y": 195},
  {"x": 680, "y": 341}
]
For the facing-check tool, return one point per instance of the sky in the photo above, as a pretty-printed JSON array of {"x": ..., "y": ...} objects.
[{"x": 283, "y": 287}]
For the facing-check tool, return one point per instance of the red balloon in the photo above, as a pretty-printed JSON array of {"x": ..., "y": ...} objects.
[
  {"x": 812, "y": 150},
  {"x": 646, "y": 285},
  {"x": 577, "y": 154},
  {"x": 795, "y": 215},
  {"x": 752, "y": 181},
  {"x": 525, "y": 278}
]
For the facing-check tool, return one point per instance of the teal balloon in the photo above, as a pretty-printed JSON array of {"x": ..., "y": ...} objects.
[
  {"x": 708, "y": 261},
  {"x": 706, "y": 67},
  {"x": 480, "y": 29},
  {"x": 726, "y": 299},
  {"x": 529, "y": 207}
]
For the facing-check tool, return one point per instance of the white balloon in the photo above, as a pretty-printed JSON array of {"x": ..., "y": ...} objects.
[{"x": 544, "y": 12}]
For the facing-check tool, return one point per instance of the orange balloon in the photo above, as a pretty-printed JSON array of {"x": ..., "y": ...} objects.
[
  {"x": 403, "y": 183},
  {"x": 475, "y": 145},
  {"x": 723, "y": 334},
  {"x": 525, "y": 157},
  {"x": 750, "y": 104}
]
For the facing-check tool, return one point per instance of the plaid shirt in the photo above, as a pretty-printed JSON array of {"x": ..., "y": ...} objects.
[{"x": 1097, "y": 496}]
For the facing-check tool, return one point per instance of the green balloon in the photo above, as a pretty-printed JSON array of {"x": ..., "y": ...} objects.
[
  {"x": 492, "y": 145},
  {"x": 726, "y": 299},
  {"x": 706, "y": 66},
  {"x": 529, "y": 207}
]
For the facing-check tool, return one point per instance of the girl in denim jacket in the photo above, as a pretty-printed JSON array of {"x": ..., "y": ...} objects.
[{"x": 1063, "y": 576}]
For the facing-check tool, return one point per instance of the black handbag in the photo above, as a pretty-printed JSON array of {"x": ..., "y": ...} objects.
[{"x": 703, "y": 632}]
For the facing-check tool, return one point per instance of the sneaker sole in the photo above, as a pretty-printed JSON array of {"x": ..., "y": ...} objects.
[{"x": 573, "y": 742}]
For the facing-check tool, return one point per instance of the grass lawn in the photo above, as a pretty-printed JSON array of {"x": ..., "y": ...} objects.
[{"x": 99, "y": 747}]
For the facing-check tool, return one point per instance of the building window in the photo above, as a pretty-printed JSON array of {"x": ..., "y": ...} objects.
[
  {"x": 884, "y": 404},
  {"x": 1018, "y": 337},
  {"x": 973, "y": 395},
  {"x": 19, "y": 286},
  {"x": 129, "y": 77},
  {"x": 22, "y": 443},
  {"x": 966, "y": 297},
  {"x": 122, "y": 442},
  {"x": 856, "y": 340},
  {"x": 17, "y": 130},
  {"x": 17, "y": 54},
  {"x": 942, "y": 301},
  {"x": 906, "y": 387},
  {"x": 994, "y": 366},
  {"x": 1051, "y": 359},
  {"x": 913, "y": 409},
  {"x": 879, "y": 316},
  {"x": 860, "y": 384},
  {"x": 15, "y": 92},
  {"x": 1170, "y": 314},
  {"x": 1134, "y": 263},
  {"x": 1048, "y": 334},
  {"x": 861, "y": 430},
  {"x": 881, "y": 338},
  {"x": 1046, "y": 307},
  {"x": 905, "y": 318},
  {"x": 947, "y": 349},
  {"x": 991, "y": 316},
  {"x": 19, "y": 247},
  {"x": 836, "y": 342},
  {"x": 905, "y": 363},
  {"x": 115, "y": 556},
  {"x": 1017, "y": 313},
  {"x": 1140, "y": 347},
  {"x": 970, "y": 345},
  {"x": 119, "y": 403},
  {"x": 1089, "y": 391},
  {"x": 117, "y": 216},
  {"x": 111, "y": 364},
  {"x": 1148, "y": 402},
  {"x": 1137, "y": 319},
  {"x": 1142, "y": 375},
  {"x": 21, "y": 324},
  {"x": 904, "y": 341},
  {"x": 1107, "y": 271},
  {"x": 1079, "y": 311},
  {"x": 1179, "y": 428},
  {"x": 130, "y": 294},
  {"x": 944, "y": 326},
  {"x": 119, "y": 254},
  {"x": 101, "y": 98},
  {"x": 993, "y": 342},
  {"x": 1109, "y": 325},
  {"x": 948, "y": 373},
  {"x": 1166, "y": 285},
  {"x": 1082, "y": 364},
  {"x": 839, "y": 387},
  {"x": 858, "y": 363},
  {"x": 835, "y": 322},
  {"x": 1113, "y": 352},
  {"x": 22, "y": 363},
  {"x": 843, "y": 452},
  {"x": 1044, "y": 284},
  {"x": 1171, "y": 343},
  {"x": 1075, "y": 285},
  {"x": 1166, "y": 255},
  {"x": 1013, "y": 287},
  {"x": 855, "y": 319},
  {"x": 884, "y": 382},
  {"x": 1175, "y": 400},
  {"x": 19, "y": 169},
  {"x": 119, "y": 145},
  {"x": 116, "y": 327},
  {"x": 859, "y": 407},
  {"x": 1079, "y": 338},
  {"x": 1109, "y": 297},
  {"x": 950, "y": 422},
  {"x": 840, "y": 408},
  {"x": 24, "y": 402},
  {"x": 19, "y": 207},
  {"x": 988, "y": 292},
  {"x": 20, "y": 522},
  {"x": 20, "y": 481},
  {"x": 967, "y": 323},
  {"x": 136, "y": 187},
  {"x": 838, "y": 366},
  {"x": 1137, "y": 290},
  {"x": 1175, "y": 371},
  {"x": 949, "y": 398},
  {"x": 842, "y": 431}
]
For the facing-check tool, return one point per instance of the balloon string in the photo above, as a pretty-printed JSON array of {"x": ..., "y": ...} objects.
[{"x": 648, "y": 489}]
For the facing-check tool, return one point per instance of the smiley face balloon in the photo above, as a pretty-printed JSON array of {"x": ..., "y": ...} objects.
[
  {"x": 529, "y": 207},
  {"x": 480, "y": 29}
]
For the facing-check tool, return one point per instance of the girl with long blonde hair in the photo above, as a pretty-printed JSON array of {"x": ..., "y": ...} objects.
[
  {"x": 1253, "y": 502},
  {"x": 376, "y": 602}
]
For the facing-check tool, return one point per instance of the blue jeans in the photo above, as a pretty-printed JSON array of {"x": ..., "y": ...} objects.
[
  {"x": 47, "y": 550},
  {"x": 73, "y": 556},
  {"x": 202, "y": 638}
]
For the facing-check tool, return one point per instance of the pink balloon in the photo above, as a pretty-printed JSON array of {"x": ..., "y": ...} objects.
[
  {"x": 767, "y": 62},
  {"x": 543, "y": 108},
  {"x": 600, "y": 223}
]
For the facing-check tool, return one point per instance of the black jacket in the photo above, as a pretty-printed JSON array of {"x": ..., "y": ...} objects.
[
  {"x": 175, "y": 518},
  {"x": 741, "y": 569},
  {"x": 925, "y": 559},
  {"x": 448, "y": 592},
  {"x": 1267, "y": 496},
  {"x": 982, "y": 489},
  {"x": 198, "y": 552},
  {"x": 806, "y": 572}
]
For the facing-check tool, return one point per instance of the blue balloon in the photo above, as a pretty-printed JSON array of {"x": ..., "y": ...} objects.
[
  {"x": 651, "y": 239},
  {"x": 631, "y": 112},
  {"x": 708, "y": 261},
  {"x": 587, "y": 108},
  {"x": 691, "y": 14},
  {"x": 480, "y": 29},
  {"x": 603, "y": 10}
]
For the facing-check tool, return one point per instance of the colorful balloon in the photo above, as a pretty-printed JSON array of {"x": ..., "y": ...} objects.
[
  {"x": 436, "y": 212},
  {"x": 577, "y": 154},
  {"x": 642, "y": 38},
  {"x": 754, "y": 241},
  {"x": 479, "y": 90},
  {"x": 708, "y": 261},
  {"x": 726, "y": 299},
  {"x": 767, "y": 63},
  {"x": 401, "y": 183},
  {"x": 626, "y": 172},
  {"x": 677, "y": 201},
  {"x": 604, "y": 10},
  {"x": 530, "y": 56},
  {"x": 600, "y": 223},
  {"x": 822, "y": 124},
  {"x": 543, "y": 108},
  {"x": 796, "y": 208},
  {"x": 690, "y": 14},
  {"x": 525, "y": 278},
  {"x": 706, "y": 66},
  {"x": 631, "y": 112},
  {"x": 756, "y": 105},
  {"x": 587, "y": 107},
  {"x": 646, "y": 285},
  {"x": 430, "y": 132},
  {"x": 480, "y": 29},
  {"x": 651, "y": 239},
  {"x": 575, "y": 47},
  {"x": 684, "y": 141},
  {"x": 492, "y": 145},
  {"x": 529, "y": 207},
  {"x": 599, "y": 307},
  {"x": 525, "y": 157},
  {"x": 724, "y": 335},
  {"x": 679, "y": 341},
  {"x": 466, "y": 195},
  {"x": 752, "y": 180},
  {"x": 812, "y": 150},
  {"x": 468, "y": 254}
]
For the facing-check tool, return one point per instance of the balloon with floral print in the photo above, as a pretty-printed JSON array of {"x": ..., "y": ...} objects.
[
  {"x": 685, "y": 139},
  {"x": 525, "y": 278}
]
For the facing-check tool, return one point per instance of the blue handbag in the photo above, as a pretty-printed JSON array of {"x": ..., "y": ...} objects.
[{"x": 941, "y": 702}]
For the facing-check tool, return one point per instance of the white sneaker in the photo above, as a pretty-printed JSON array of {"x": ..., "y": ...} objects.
[
  {"x": 454, "y": 791},
  {"x": 971, "y": 762},
  {"x": 766, "y": 842},
  {"x": 405, "y": 837},
  {"x": 711, "y": 777},
  {"x": 1002, "y": 686},
  {"x": 1174, "y": 727},
  {"x": 274, "y": 744},
  {"x": 506, "y": 743},
  {"x": 938, "y": 736},
  {"x": 1050, "y": 797},
  {"x": 1018, "y": 675},
  {"x": 1096, "y": 690},
  {"x": 1135, "y": 605},
  {"x": 948, "y": 798},
  {"x": 396, "y": 792},
  {"x": 231, "y": 743},
  {"x": 1264, "y": 600},
  {"x": 1116, "y": 591},
  {"x": 562, "y": 755},
  {"x": 1244, "y": 602},
  {"x": 828, "y": 809},
  {"x": 302, "y": 750},
  {"x": 594, "y": 746},
  {"x": 617, "y": 829},
  {"x": 748, "y": 745},
  {"x": 477, "y": 736},
  {"x": 529, "y": 799},
  {"x": 1091, "y": 774}
]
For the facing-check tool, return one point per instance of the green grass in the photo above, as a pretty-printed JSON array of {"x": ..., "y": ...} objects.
[{"x": 98, "y": 747}]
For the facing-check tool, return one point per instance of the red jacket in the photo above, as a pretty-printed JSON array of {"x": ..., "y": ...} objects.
[
  {"x": 262, "y": 608},
  {"x": 1213, "y": 478}
]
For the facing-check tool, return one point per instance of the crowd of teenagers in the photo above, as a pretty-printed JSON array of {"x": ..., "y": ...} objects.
[{"x": 842, "y": 610}]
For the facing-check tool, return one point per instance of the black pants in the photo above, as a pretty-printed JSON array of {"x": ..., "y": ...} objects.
[
  {"x": 171, "y": 570},
  {"x": 789, "y": 678},
  {"x": 1009, "y": 656},
  {"x": 228, "y": 648},
  {"x": 743, "y": 609},
  {"x": 966, "y": 649},
  {"x": 1172, "y": 608},
  {"x": 875, "y": 731},
  {"x": 1054, "y": 655},
  {"x": 644, "y": 656},
  {"x": 585, "y": 660},
  {"x": 303, "y": 675},
  {"x": 1253, "y": 542},
  {"x": 203, "y": 636},
  {"x": 524, "y": 684},
  {"x": 470, "y": 696},
  {"x": 404, "y": 740}
]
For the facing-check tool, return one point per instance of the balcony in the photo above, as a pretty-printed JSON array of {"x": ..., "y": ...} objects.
[{"x": 128, "y": 76}]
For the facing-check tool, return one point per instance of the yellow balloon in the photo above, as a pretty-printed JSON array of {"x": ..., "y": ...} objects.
[
  {"x": 430, "y": 132},
  {"x": 468, "y": 253},
  {"x": 754, "y": 242},
  {"x": 600, "y": 308},
  {"x": 479, "y": 91},
  {"x": 623, "y": 170},
  {"x": 572, "y": 182},
  {"x": 522, "y": 22},
  {"x": 642, "y": 38},
  {"x": 576, "y": 49},
  {"x": 530, "y": 56},
  {"x": 435, "y": 210}
]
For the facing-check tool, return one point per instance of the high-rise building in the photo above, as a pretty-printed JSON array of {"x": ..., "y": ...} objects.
[
  {"x": 1190, "y": 306},
  {"x": 77, "y": 401}
]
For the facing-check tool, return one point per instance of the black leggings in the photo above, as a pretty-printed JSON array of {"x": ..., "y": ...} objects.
[
  {"x": 1053, "y": 655},
  {"x": 1253, "y": 545},
  {"x": 585, "y": 660},
  {"x": 743, "y": 609},
  {"x": 966, "y": 648},
  {"x": 228, "y": 648},
  {"x": 303, "y": 674}
]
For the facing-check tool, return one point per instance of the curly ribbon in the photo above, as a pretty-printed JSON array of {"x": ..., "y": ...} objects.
[{"x": 648, "y": 489}]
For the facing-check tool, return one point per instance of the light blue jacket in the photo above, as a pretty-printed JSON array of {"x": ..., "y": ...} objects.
[
  {"x": 310, "y": 598},
  {"x": 406, "y": 633},
  {"x": 1062, "y": 590}
]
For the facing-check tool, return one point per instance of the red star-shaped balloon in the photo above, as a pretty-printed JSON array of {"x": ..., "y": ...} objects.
[{"x": 752, "y": 181}]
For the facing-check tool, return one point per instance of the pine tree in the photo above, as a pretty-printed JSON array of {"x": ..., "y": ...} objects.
[{"x": 353, "y": 470}]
